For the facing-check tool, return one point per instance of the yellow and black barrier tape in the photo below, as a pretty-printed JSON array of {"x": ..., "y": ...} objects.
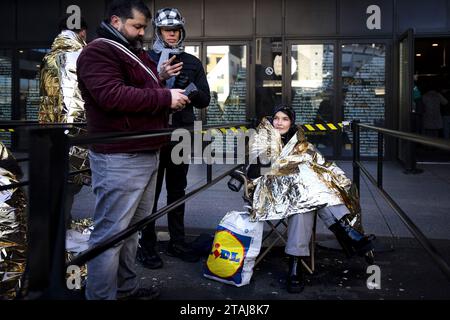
[
  {"x": 320, "y": 127},
  {"x": 6, "y": 130},
  {"x": 314, "y": 127}
]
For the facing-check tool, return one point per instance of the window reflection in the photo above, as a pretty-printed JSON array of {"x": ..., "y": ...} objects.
[
  {"x": 5, "y": 92},
  {"x": 227, "y": 78},
  {"x": 268, "y": 75},
  {"x": 29, "y": 70},
  {"x": 195, "y": 51},
  {"x": 226, "y": 71},
  {"x": 363, "y": 94},
  {"x": 313, "y": 89}
]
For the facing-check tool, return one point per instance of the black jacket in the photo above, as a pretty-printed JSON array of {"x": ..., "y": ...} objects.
[{"x": 193, "y": 69}]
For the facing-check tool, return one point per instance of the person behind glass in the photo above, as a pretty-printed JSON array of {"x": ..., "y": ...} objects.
[
  {"x": 60, "y": 98},
  {"x": 433, "y": 100},
  {"x": 300, "y": 225},
  {"x": 178, "y": 69},
  {"x": 122, "y": 93},
  {"x": 445, "y": 109}
]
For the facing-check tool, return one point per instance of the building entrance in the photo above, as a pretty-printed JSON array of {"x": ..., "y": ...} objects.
[{"x": 431, "y": 95}]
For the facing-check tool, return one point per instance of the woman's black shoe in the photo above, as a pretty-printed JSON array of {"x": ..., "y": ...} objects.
[
  {"x": 295, "y": 279},
  {"x": 352, "y": 241}
]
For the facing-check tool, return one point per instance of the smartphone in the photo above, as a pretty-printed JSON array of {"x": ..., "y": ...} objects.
[
  {"x": 176, "y": 60},
  {"x": 190, "y": 89}
]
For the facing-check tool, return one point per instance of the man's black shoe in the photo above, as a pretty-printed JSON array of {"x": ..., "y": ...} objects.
[
  {"x": 149, "y": 259},
  {"x": 182, "y": 251},
  {"x": 142, "y": 294}
]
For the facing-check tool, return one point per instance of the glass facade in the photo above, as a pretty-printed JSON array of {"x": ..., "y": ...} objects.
[
  {"x": 268, "y": 75},
  {"x": 5, "y": 92},
  {"x": 312, "y": 86},
  {"x": 29, "y": 71},
  {"x": 363, "y": 78},
  {"x": 226, "y": 71},
  {"x": 195, "y": 51}
]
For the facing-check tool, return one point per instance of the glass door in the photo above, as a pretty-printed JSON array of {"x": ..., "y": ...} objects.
[
  {"x": 268, "y": 75},
  {"x": 363, "y": 83},
  {"x": 5, "y": 92},
  {"x": 195, "y": 51},
  {"x": 226, "y": 71},
  {"x": 405, "y": 97},
  {"x": 29, "y": 88},
  {"x": 227, "y": 75},
  {"x": 313, "y": 90},
  {"x": 331, "y": 82}
]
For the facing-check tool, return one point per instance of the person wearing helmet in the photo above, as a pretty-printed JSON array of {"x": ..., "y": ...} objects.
[{"x": 179, "y": 70}]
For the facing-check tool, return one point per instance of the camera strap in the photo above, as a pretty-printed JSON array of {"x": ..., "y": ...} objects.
[{"x": 130, "y": 54}]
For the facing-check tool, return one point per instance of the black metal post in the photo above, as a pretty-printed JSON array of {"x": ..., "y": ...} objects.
[
  {"x": 48, "y": 169},
  {"x": 356, "y": 153},
  {"x": 380, "y": 161},
  {"x": 208, "y": 173},
  {"x": 208, "y": 159},
  {"x": 411, "y": 161}
]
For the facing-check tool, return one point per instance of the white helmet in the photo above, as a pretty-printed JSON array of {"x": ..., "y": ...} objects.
[{"x": 169, "y": 18}]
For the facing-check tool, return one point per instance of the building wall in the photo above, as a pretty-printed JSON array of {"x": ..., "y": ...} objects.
[{"x": 26, "y": 21}]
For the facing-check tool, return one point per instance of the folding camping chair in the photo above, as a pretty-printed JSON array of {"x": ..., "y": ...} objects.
[
  {"x": 281, "y": 236},
  {"x": 235, "y": 185}
]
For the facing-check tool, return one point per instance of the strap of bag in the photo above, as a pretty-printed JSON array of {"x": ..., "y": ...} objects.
[{"x": 130, "y": 54}]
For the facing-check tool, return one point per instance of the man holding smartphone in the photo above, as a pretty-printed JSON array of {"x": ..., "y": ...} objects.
[{"x": 179, "y": 70}]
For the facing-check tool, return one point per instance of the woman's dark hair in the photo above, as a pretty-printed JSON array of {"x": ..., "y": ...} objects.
[
  {"x": 286, "y": 110},
  {"x": 124, "y": 9},
  {"x": 290, "y": 112}
]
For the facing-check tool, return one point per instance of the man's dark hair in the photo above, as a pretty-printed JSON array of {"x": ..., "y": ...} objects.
[
  {"x": 124, "y": 9},
  {"x": 63, "y": 24}
]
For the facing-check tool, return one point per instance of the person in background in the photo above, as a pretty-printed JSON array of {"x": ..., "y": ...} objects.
[
  {"x": 445, "y": 109},
  {"x": 179, "y": 70},
  {"x": 432, "y": 118},
  {"x": 61, "y": 101}
]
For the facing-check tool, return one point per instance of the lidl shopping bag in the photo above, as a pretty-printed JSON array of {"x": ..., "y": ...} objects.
[{"x": 236, "y": 245}]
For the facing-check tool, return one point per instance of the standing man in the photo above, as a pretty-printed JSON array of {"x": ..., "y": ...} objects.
[
  {"x": 122, "y": 93},
  {"x": 179, "y": 69},
  {"x": 60, "y": 98}
]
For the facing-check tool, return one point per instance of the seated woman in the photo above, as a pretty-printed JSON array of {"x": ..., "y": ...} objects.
[{"x": 292, "y": 179}]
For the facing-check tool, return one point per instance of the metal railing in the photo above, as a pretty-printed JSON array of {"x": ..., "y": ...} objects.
[
  {"x": 48, "y": 169},
  {"x": 11, "y": 125},
  {"x": 378, "y": 182},
  {"x": 48, "y": 173}
]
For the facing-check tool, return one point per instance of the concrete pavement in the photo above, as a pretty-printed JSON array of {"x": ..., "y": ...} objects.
[{"x": 406, "y": 271}]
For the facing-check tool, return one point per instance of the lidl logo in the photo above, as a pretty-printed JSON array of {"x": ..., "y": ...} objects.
[{"x": 227, "y": 254}]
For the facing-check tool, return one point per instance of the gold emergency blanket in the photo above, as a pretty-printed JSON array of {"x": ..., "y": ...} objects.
[
  {"x": 12, "y": 229},
  {"x": 298, "y": 180},
  {"x": 61, "y": 100}
]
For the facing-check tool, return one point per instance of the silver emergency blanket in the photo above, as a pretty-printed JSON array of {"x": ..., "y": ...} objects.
[
  {"x": 61, "y": 100},
  {"x": 298, "y": 180},
  {"x": 12, "y": 231}
]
